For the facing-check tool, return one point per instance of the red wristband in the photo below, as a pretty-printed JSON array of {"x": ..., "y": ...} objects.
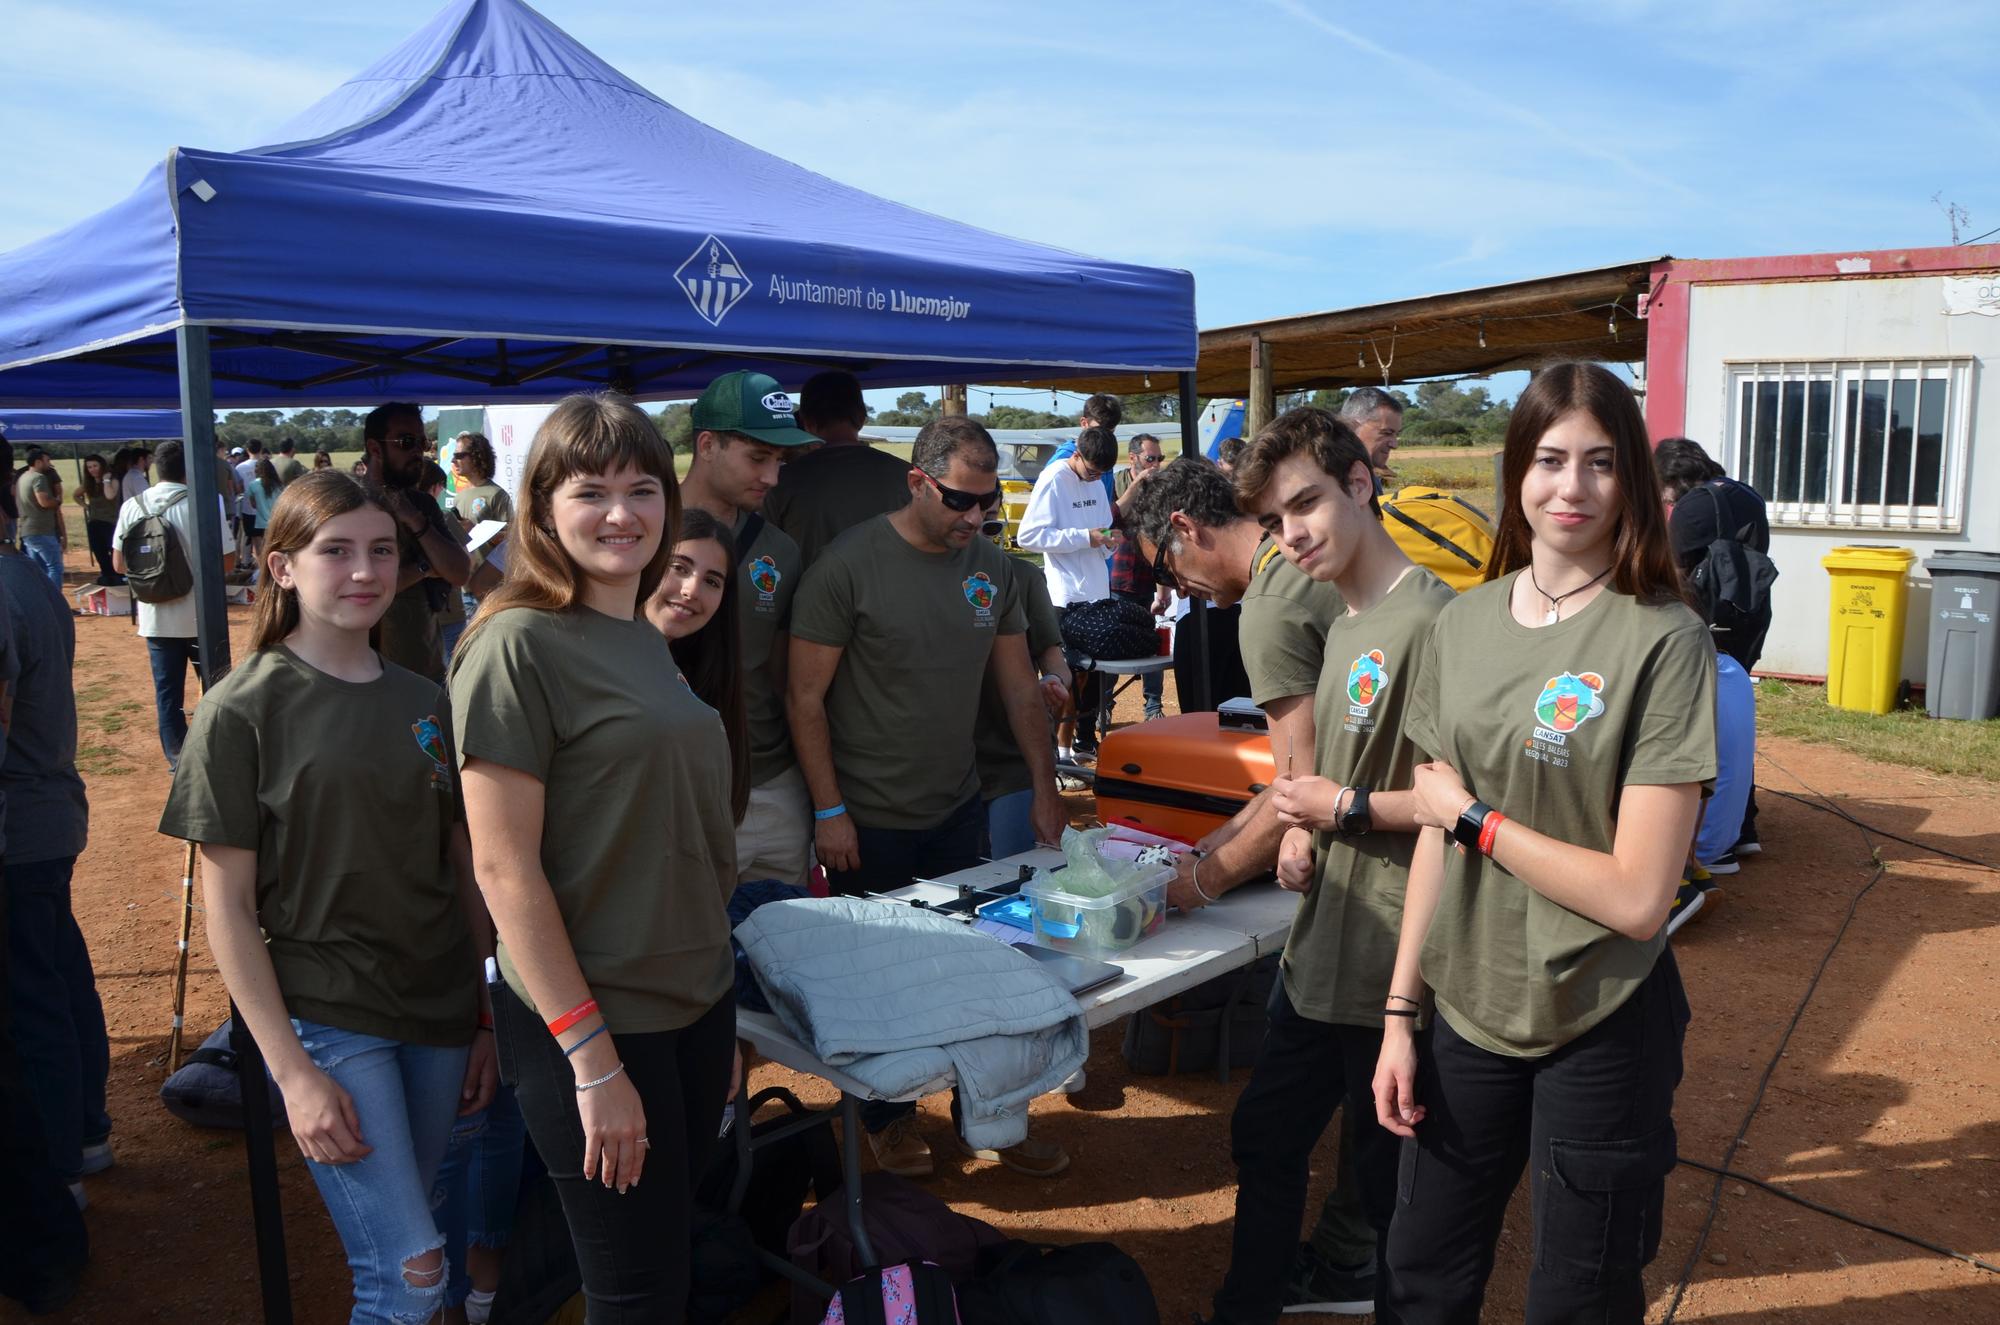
[
  {"x": 485, "y": 1021},
  {"x": 1490, "y": 830},
  {"x": 573, "y": 1016}
]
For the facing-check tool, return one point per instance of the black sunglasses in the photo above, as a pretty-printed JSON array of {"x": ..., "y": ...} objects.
[
  {"x": 406, "y": 442},
  {"x": 1163, "y": 574},
  {"x": 959, "y": 500}
]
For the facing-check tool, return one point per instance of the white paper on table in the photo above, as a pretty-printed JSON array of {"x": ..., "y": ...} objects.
[{"x": 483, "y": 533}]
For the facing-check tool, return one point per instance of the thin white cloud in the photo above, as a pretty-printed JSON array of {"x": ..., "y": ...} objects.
[{"x": 1475, "y": 96}]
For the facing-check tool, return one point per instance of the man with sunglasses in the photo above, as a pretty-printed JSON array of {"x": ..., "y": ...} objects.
[
  {"x": 1068, "y": 521},
  {"x": 434, "y": 561},
  {"x": 894, "y": 630}
]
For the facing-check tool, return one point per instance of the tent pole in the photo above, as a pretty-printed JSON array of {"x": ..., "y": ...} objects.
[
  {"x": 1199, "y": 701},
  {"x": 205, "y": 558},
  {"x": 212, "y": 639}
]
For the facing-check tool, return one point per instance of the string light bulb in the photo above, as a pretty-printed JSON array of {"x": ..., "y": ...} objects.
[{"x": 1482, "y": 333}]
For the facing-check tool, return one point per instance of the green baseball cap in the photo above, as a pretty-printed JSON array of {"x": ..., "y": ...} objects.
[{"x": 751, "y": 404}]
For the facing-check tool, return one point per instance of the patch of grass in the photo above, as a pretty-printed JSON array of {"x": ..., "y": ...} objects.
[
  {"x": 99, "y": 761},
  {"x": 1907, "y": 738},
  {"x": 1450, "y": 472}
]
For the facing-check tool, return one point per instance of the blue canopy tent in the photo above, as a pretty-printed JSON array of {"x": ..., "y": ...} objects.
[{"x": 493, "y": 212}]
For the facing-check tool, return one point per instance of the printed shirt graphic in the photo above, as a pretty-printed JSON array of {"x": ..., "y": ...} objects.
[
  {"x": 1547, "y": 725},
  {"x": 345, "y": 792},
  {"x": 1342, "y": 948},
  {"x": 766, "y": 581},
  {"x": 915, "y": 642}
]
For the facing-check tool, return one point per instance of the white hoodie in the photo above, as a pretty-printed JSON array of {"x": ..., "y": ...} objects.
[{"x": 1062, "y": 511}]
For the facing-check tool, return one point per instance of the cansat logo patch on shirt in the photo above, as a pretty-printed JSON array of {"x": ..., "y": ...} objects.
[
  {"x": 765, "y": 575},
  {"x": 979, "y": 591},
  {"x": 430, "y": 739},
  {"x": 1566, "y": 703},
  {"x": 1366, "y": 678}
]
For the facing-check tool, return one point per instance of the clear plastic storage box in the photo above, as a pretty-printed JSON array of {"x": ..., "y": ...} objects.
[{"x": 1099, "y": 926}]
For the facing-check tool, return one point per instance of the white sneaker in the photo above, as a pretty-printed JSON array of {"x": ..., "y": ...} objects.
[
  {"x": 76, "y": 1194},
  {"x": 97, "y": 1157}
]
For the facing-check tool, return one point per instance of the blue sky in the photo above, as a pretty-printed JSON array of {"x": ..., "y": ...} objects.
[{"x": 1294, "y": 154}]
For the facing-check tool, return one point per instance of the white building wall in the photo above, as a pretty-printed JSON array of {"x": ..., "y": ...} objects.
[{"x": 1888, "y": 317}]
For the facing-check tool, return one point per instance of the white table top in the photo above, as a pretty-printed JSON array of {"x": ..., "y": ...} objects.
[
  {"x": 1131, "y": 666},
  {"x": 1188, "y": 950}
]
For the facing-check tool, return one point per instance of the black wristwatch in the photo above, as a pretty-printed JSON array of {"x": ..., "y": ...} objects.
[
  {"x": 1354, "y": 819},
  {"x": 1470, "y": 821}
]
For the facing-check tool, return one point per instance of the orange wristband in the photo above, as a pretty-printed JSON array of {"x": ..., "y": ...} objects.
[
  {"x": 573, "y": 1016},
  {"x": 1490, "y": 830}
]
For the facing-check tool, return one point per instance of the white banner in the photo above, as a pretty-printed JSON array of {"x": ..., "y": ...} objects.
[
  {"x": 1972, "y": 294},
  {"x": 511, "y": 429}
]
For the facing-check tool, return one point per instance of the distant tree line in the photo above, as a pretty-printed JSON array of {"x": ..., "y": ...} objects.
[{"x": 1435, "y": 413}]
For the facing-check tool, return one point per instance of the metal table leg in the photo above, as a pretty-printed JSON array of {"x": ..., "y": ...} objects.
[{"x": 850, "y": 1167}]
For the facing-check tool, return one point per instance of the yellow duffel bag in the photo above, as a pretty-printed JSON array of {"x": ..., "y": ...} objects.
[{"x": 1446, "y": 535}]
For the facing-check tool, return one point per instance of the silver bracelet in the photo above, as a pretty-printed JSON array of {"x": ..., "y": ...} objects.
[
  {"x": 593, "y": 1085},
  {"x": 1195, "y": 876}
]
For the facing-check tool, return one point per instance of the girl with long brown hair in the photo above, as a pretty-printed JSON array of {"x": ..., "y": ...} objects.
[
  {"x": 1569, "y": 717},
  {"x": 98, "y": 495},
  {"x": 695, "y": 608},
  {"x": 597, "y": 790},
  {"x": 317, "y": 778}
]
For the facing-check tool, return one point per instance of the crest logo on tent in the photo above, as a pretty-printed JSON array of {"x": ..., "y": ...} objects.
[{"x": 713, "y": 280}]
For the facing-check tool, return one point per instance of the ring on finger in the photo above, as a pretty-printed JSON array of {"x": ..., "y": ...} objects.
[{"x": 642, "y": 1141}]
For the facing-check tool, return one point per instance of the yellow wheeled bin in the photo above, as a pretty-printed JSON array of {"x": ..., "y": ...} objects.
[{"x": 1864, "y": 647}]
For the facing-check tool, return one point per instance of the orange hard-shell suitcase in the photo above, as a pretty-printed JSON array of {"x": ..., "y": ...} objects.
[{"x": 1182, "y": 776}]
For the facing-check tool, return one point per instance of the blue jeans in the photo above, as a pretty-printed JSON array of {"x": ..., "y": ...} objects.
[
  {"x": 58, "y": 1019},
  {"x": 171, "y": 657},
  {"x": 479, "y": 1185},
  {"x": 45, "y": 550},
  {"x": 406, "y": 1098},
  {"x": 1010, "y": 827}
]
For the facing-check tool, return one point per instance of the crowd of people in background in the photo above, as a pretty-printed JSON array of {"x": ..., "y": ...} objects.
[{"x": 476, "y": 889}]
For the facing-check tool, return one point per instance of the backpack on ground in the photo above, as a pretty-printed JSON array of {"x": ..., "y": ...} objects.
[
  {"x": 1028, "y": 1283},
  {"x": 156, "y": 565},
  {"x": 905, "y": 1223},
  {"x": 913, "y": 1293},
  {"x": 1184, "y": 1033},
  {"x": 1732, "y": 586},
  {"x": 1446, "y": 535}
]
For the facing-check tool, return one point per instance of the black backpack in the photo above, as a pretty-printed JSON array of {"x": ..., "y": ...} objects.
[
  {"x": 1030, "y": 1283},
  {"x": 156, "y": 566},
  {"x": 1110, "y": 628},
  {"x": 1732, "y": 586}
]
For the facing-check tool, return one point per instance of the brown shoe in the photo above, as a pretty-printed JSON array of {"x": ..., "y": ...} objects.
[
  {"x": 1037, "y": 1159},
  {"x": 899, "y": 1150}
]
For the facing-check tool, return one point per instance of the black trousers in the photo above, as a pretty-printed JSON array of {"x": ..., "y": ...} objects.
[
  {"x": 1596, "y": 1119},
  {"x": 631, "y": 1248},
  {"x": 1305, "y": 1070},
  {"x": 99, "y": 534},
  {"x": 892, "y": 857}
]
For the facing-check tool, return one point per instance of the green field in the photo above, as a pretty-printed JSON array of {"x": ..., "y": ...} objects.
[{"x": 1907, "y": 738}]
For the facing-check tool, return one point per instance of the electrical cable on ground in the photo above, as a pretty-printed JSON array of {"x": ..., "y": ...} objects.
[
  {"x": 1841, "y": 1215},
  {"x": 1724, "y": 1171}
]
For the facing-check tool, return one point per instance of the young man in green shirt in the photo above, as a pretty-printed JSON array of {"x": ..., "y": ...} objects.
[
  {"x": 1351, "y": 829},
  {"x": 289, "y": 465},
  {"x": 894, "y": 631},
  {"x": 1188, "y": 526},
  {"x": 744, "y": 429},
  {"x": 434, "y": 562},
  {"x": 822, "y": 494}
]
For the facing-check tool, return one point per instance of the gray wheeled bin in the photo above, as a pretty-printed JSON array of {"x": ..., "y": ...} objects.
[{"x": 1963, "y": 676}]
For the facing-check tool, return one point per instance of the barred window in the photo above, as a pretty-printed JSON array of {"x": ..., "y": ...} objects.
[{"x": 1867, "y": 444}]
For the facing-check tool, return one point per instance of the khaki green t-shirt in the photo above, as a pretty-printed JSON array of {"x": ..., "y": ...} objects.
[
  {"x": 1286, "y": 614},
  {"x": 289, "y": 468},
  {"x": 101, "y": 504},
  {"x": 484, "y": 501},
  {"x": 1342, "y": 949},
  {"x": 1002, "y": 768},
  {"x": 346, "y": 792},
  {"x": 824, "y": 493},
  {"x": 408, "y": 635},
  {"x": 1546, "y": 725},
  {"x": 767, "y": 579},
  {"x": 35, "y": 520},
  {"x": 638, "y": 841},
  {"x": 917, "y": 629}
]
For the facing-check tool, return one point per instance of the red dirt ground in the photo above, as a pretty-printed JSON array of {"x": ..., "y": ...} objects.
[{"x": 1887, "y": 1104}]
